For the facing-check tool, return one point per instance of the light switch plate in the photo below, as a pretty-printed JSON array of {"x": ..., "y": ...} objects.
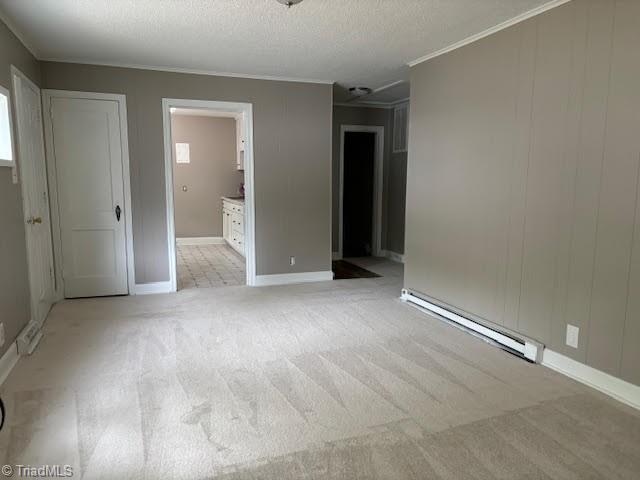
[
  {"x": 292, "y": 261},
  {"x": 572, "y": 335}
]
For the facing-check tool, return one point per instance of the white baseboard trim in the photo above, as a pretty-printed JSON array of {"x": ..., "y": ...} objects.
[
  {"x": 336, "y": 256},
  {"x": 151, "y": 288},
  {"x": 396, "y": 257},
  {"x": 8, "y": 361},
  {"x": 200, "y": 241},
  {"x": 289, "y": 278},
  {"x": 617, "y": 388}
]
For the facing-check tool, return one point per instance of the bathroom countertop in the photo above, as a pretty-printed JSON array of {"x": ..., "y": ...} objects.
[{"x": 236, "y": 200}]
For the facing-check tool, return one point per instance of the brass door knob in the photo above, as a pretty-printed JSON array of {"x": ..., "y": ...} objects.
[{"x": 34, "y": 220}]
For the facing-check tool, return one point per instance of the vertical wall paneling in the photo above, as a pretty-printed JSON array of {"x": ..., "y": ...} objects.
[{"x": 523, "y": 180}]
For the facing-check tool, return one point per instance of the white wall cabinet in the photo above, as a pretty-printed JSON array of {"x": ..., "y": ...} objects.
[{"x": 233, "y": 224}]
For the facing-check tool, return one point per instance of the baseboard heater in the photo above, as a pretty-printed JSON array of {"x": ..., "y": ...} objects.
[
  {"x": 29, "y": 338},
  {"x": 520, "y": 346}
]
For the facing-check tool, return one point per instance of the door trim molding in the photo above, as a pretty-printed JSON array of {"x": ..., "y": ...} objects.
[
  {"x": 47, "y": 96},
  {"x": 249, "y": 203},
  {"x": 33, "y": 303},
  {"x": 378, "y": 176}
]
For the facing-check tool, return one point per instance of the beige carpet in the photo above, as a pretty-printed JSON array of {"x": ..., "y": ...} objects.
[{"x": 338, "y": 380}]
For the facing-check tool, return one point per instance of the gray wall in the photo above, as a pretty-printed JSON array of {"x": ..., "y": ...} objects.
[
  {"x": 292, "y": 145},
  {"x": 14, "y": 286},
  {"x": 395, "y": 197},
  {"x": 394, "y": 181},
  {"x": 523, "y": 188},
  {"x": 211, "y": 174}
]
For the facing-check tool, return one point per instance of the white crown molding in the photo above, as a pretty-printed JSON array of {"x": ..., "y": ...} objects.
[
  {"x": 387, "y": 105},
  {"x": 490, "y": 31},
  {"x": 395, "y": 103},
  {"x": 387, "y": 86},
  {"x": 360, "y": 105},
  {"x": 189, "y": 71},
  {"x": 617, "y": 388},
  {"x": 360, "y": 101}
]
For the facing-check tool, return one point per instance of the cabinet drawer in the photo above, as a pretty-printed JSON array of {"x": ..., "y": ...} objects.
[
  {"x": 237, "y": 242},
  {"x": 237, "y": 223}
]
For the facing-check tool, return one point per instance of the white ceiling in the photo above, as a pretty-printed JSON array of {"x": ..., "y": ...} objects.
[{"x": 351, "y": 42}]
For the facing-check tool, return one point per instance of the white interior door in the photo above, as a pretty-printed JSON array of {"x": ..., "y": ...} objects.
[
  {"x": 86, "y": 137},
  {"x": 33, "y": 173}
]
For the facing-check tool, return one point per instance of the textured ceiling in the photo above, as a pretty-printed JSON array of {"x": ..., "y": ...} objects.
[{"x": 354, "y": 42}]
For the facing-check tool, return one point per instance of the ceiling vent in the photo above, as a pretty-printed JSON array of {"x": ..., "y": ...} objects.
[
  {"x": 289, "y": 3},
  {"x": 360, "y": 91}
]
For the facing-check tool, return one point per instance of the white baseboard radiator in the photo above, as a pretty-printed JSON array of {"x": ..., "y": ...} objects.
[
  {"x": 510, "y": 341},
  {"x": 29, "y": 338}
]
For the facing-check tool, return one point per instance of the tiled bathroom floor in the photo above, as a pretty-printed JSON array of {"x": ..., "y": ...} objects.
[{"x": 206, "y": 266}]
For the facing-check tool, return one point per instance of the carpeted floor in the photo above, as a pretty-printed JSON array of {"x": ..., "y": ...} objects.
[{"x": 336, "y": 380}]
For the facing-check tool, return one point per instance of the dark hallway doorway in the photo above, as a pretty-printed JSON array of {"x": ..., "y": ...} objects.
[{"x": 358, "y": 193}]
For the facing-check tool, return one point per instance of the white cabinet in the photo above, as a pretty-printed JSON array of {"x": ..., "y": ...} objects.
[
  {"x": 233, "y": 224},
  {"x": 240, "y": 141},
  {"x": 226, "y": 222}
]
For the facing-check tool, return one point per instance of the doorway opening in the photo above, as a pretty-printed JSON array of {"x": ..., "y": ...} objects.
[
  {"x": 210, "y": 215},
  {"x": 360, "y": 209}
]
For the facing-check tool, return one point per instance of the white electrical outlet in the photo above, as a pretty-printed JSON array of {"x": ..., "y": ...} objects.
[
  {"x": 1, "y": 334},
  {"x": 572, "y": 336},
  {"x": 292, "y": 260}
]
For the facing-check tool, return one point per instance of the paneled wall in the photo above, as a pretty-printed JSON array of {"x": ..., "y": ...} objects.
[{"x": 523, "y": 199}]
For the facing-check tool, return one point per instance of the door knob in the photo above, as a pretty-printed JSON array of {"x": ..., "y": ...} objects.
[{"x": 34, "y": 220}]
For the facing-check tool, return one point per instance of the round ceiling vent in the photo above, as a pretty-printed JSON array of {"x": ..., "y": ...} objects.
[
  {"x": 360, "y": 91},
  {"x": 289, "y": 3}
]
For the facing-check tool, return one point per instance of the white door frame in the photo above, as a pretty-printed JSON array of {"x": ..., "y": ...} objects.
[
  {"x": 16, "y": 73},
  {"x": 47, "y": 96},
  {"x": 249, "y": 203},
  {"x": 377, "y": 185}
]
